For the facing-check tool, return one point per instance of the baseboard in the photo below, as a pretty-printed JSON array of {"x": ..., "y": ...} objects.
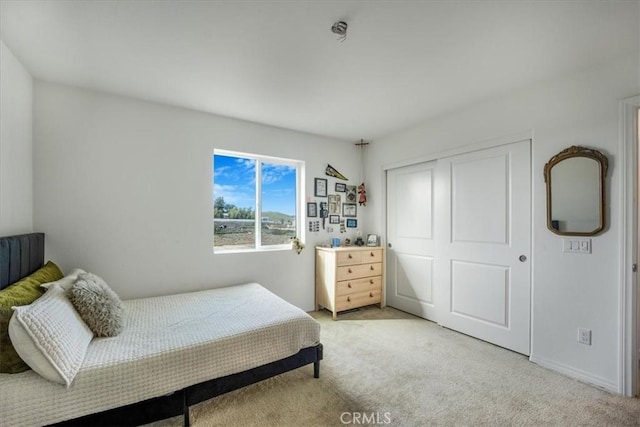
[{"x": 576, "y": 374}]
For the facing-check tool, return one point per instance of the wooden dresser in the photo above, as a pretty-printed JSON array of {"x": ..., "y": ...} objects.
[{"x": 349, "y": 277}]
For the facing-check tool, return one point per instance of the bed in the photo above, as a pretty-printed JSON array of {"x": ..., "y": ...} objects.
[{"x": 174, "y": 351}]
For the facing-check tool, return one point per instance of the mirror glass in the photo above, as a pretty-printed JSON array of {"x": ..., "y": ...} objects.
[{"x": 575, "y": 192}]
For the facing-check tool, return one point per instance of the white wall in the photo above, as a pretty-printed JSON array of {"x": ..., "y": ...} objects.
[
  {"x": 16, "y": 164},
  {"x": 123, "y": 188},
  {"x": 569, "y": 290}
]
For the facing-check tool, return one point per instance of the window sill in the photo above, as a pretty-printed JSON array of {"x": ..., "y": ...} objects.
[{"x": 231, "y": 250}]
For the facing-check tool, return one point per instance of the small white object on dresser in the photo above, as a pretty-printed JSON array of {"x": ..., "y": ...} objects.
[{"x": 349, "y": 277}]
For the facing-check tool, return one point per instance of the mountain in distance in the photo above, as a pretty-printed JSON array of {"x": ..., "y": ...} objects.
[{"x": 278, "y": 217}]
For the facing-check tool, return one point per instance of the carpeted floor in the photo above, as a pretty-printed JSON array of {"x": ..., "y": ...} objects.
[{"x": 385, "y": 367}]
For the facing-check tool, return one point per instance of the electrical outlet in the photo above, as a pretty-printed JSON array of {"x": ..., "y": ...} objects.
[{"x": 584, "y": 336}]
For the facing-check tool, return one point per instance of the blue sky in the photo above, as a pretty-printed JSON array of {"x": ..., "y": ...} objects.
[{"x": 234, "y": 179}]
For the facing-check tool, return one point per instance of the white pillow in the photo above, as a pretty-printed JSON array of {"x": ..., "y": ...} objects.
[
  {"x": 58, "y": 338},
  {"x": 67, "y": 281}
]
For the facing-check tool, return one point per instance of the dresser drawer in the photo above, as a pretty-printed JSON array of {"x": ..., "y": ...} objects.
[
  {"x": 346, "y": 302},
  {"x": 349, "y": 257},
  {"x": 358, "y": 271},
  {"x": 359, "y": 285},
  {"x": 372, "y": 255}
]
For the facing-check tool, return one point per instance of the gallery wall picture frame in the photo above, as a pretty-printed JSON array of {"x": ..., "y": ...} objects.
[
  {"x": 352, "y": 223},
  {"x": 334, "y": 204},
  {"x": 341, "y": 187},
  {"x": 352, "y": 194},
  {"x": 349, "y": 210},
  {"x": 372, "y": 240},
  {"x": 320, "y": 187},
  {"x": 334, "y": 219},
  {"x": 312, "y": 209}
]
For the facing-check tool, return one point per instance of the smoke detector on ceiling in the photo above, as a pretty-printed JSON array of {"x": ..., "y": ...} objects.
[{"x": 340, "y": 28}]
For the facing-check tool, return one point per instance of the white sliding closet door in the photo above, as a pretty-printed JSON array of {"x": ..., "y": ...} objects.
[
  {"x": 410, "y": 234},
  {"x": 484, "y": 243},
  {"x": 459, "y": 234}
]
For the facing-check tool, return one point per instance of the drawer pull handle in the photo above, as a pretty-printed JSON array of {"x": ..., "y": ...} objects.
[
  {"x": 350, "y": 256},
  {"x": 349, "y": 285},
  {"x": 348, "y": 299},
  {"x": 372, "y": 268},
  {"x": 371, "y": 281},
  {"x": 349, "y": 270},
  {"x": 372, "y": 254},
  {"x": 371, "y": 294}
]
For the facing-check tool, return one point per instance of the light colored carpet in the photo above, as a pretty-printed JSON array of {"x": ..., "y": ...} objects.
[{"x": 390, "y": 368}]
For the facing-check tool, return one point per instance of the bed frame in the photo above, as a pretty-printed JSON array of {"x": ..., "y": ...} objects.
[{"x": 23, "y": 254}]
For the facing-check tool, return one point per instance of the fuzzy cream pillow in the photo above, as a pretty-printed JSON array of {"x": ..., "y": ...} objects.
[{"x": 97, "y": 304}]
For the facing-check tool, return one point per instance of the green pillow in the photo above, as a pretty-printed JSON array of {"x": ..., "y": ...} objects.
[{"x": 23, "y": 292}]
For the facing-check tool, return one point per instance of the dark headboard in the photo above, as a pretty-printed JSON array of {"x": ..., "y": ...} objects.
[{"x": 20, "y": 256}]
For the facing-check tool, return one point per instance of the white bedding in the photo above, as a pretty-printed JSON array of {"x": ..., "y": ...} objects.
[{"x": 168, "y": 343}]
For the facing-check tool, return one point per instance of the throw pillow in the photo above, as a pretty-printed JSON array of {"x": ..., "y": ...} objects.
[
  {"x": 67, "y": 281},
  {"x": 23, "y": 292},
  {"x": 58, "y": 336},
  {"x": 97, "y": 304}
]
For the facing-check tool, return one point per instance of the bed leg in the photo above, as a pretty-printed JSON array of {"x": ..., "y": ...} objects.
[
  {"x": 316, "y": 369},
  {"x": 185, "y": 409}
]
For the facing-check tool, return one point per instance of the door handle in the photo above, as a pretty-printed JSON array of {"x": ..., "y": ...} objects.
[
  {"x": 522, "y": 258},
  {"x": 389, "y": 244}
]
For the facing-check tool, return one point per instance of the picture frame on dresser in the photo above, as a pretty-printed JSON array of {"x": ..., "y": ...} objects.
[{"x": 372, "y": 240}]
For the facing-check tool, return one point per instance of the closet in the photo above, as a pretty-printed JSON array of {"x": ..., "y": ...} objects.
[{"x": 459, "y": 242}]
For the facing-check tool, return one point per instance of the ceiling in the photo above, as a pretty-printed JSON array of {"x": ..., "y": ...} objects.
[{"x": 278, "y": 63}]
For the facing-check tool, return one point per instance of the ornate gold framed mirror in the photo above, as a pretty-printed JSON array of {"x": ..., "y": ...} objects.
[{"x": 575, "y": 179}]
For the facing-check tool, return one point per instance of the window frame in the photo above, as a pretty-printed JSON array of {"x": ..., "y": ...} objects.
[{"x": 298, "y": 165}]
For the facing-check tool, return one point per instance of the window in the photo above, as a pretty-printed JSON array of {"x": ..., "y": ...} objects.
[{"x": 256, "y": 201}]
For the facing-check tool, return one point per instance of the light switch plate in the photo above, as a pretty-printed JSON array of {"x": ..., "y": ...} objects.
[{"x": 576, "y": 245}]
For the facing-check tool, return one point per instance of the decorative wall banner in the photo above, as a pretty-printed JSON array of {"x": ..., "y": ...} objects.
[{"x": 331, "y": 171}]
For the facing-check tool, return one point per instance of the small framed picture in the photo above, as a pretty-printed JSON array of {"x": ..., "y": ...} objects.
[
  {"x": 352, "y": 223},
  {"x": 334, "y": 204},
  {"x": 341, "y": 187},
  {"x": 372, "y": 240},
  {"x": 334, "y": 219},
  {"x": 320, "y": 187},
  {"x": 351, "y": 193},
  {"x": 349, "y": 210},
  {"x": 312, "y": 209}
]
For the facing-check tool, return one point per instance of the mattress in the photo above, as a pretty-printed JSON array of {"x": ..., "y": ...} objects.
[{"x": 168, "y": 343}]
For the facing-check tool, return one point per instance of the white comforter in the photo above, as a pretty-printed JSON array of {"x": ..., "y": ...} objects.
[{"x": 168, "y": 343}]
